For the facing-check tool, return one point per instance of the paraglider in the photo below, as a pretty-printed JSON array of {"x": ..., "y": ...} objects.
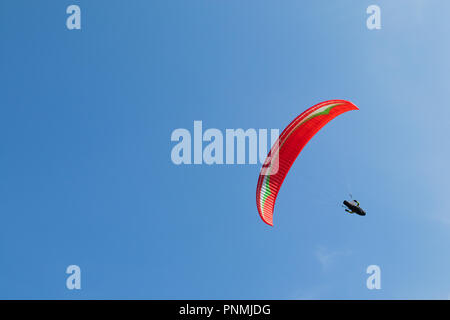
[
  {"x": 353, "y": 207},
  {"x": 285, "y": 150}
]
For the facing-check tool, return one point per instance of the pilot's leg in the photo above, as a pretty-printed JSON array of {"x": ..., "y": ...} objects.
[
  {"x": 357, "y": 203},
  {"x": 351, "y": 212}
]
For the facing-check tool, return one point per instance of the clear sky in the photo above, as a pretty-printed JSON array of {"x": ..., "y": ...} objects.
[{"x": 86, "y": 176}]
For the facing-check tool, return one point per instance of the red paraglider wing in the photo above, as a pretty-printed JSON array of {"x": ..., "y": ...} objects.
[{"x": 287, "y": 148}]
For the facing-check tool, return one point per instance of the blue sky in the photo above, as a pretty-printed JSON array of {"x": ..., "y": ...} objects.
[{"x": 86, "y": 118}]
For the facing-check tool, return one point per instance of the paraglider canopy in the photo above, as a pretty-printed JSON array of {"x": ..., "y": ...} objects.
[{"x": 286, "y": 149}]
